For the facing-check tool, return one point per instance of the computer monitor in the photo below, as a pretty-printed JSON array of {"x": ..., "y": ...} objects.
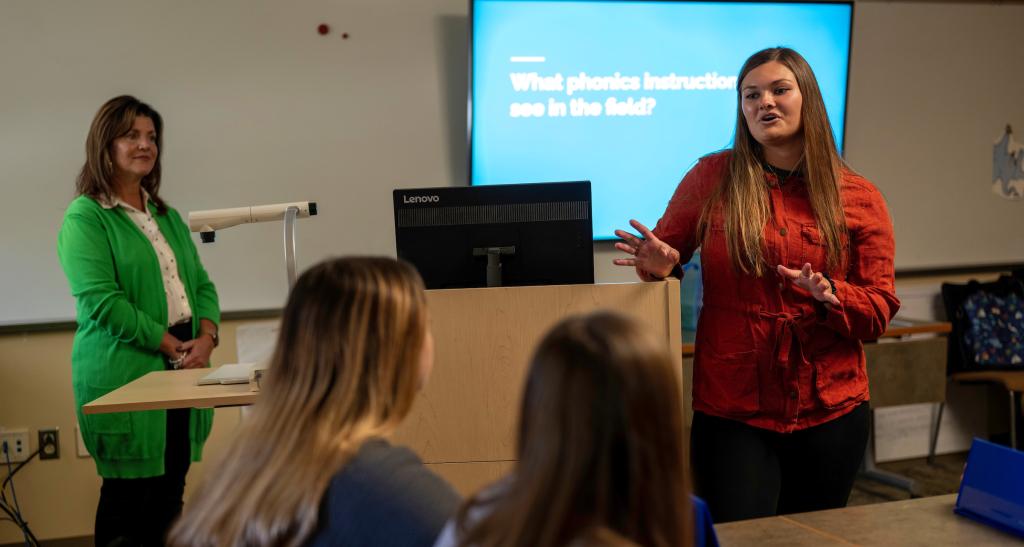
[{"x": 498, "y": 235}]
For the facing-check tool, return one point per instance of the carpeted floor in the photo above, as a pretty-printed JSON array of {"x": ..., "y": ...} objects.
[{"x": 930, "y": 480}]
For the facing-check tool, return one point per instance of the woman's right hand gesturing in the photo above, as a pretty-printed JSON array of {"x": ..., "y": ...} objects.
[{"x": 653, "y": 258}]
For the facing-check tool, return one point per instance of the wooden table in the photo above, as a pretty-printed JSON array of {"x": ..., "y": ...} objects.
[
  {"x": 903, "y": 327},
  {"x": 168, "y": 389},
  {"x": 922, "y": 521},
  {"x": 1013, "y": 380}
]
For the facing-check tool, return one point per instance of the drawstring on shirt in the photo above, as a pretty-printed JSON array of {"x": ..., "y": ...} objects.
[{"x": 789, "y": 334}]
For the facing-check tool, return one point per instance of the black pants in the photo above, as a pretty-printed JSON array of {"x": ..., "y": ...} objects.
[
  {"x": 139, "y": 512},
  {"x": 745, "y": 472}
]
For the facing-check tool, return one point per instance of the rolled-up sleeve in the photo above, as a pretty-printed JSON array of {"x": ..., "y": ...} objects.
[
  {"x": 678, "y": 225},
  {"x": 868, "y": 294}
]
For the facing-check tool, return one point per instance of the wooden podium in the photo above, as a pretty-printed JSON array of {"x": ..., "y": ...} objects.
[{"x": 463, "y": 424}]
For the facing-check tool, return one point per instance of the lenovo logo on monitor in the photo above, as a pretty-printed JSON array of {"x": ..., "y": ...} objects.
[{"x": 421, "y": 199}]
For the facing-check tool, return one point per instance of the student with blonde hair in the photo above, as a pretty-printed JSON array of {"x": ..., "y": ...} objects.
[
  {"x": 313, "y": 465},
  {"x": 600, "y": 452}
]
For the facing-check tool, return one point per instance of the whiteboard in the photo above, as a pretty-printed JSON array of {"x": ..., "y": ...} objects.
[
  {"x": 258, "y": 108},
  {"x": 932, "y": 86},
  {"x": 261, "y": 108}
]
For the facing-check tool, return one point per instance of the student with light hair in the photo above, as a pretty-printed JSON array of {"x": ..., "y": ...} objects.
[{"x": 313, "y": 465}]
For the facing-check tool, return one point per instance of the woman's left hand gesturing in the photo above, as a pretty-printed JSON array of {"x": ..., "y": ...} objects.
[
  {"x": 653, "y": 258},
  {"x": 811, "y": 281}
]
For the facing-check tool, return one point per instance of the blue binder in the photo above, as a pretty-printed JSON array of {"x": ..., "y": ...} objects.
[{"x": 992, "y": 490}]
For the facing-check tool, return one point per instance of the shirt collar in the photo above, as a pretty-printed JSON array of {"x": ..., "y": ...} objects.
[{"x": 118, "y": 202}]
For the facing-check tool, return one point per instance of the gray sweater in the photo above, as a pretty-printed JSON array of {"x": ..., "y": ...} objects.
[{"x": 384, "y": 496}]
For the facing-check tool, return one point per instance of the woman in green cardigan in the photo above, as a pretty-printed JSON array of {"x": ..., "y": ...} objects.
[{"x": 144, "y": 303}]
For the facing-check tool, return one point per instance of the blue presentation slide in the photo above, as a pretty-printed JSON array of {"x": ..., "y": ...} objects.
[{"x": 628, "y": 95}]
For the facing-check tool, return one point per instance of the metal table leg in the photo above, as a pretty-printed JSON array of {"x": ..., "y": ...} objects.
[
  {"x": 935, "y": 434},
  {"x": 870, "y": 471}
]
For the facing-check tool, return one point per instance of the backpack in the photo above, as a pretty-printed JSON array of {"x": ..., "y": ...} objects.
[{"x": 988, "y": 324}]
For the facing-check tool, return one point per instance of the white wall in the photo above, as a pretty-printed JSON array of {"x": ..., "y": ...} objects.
[{"x": 932, "y": 85}]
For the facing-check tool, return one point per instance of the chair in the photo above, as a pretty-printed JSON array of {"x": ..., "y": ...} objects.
[
  {"x": 961, "y": 364},
  {"x": 1013, "y": 381}
]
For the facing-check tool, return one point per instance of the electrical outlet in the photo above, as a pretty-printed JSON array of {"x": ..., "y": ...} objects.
[
  {"x": 13, "y": 445},
  {"x": 49, "y": 444}
]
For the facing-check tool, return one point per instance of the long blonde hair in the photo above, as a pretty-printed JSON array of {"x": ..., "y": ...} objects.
[
  {"x": 601, "y": 446},
  {"x": 345, "y": 369},
  {"x": 742, "y": 197}
]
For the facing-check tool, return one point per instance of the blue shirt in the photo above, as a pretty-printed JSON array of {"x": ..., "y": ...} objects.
[{"x": 384, "y": 496}]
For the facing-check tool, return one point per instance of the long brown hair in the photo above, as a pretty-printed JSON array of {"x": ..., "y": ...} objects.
[
  {"x": 742, "y": 197},
  {"x": 601, "y": 445},
  {"x": 115, "y": 119},
  {"x": 345, "y": 370}
]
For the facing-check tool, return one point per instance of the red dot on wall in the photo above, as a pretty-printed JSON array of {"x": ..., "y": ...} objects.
[
  {"x": 323, "y": 29},
  {"x": 344, "y": 36}
]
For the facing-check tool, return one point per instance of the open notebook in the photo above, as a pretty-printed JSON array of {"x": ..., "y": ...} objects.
[{"x": 230, "y": 374}]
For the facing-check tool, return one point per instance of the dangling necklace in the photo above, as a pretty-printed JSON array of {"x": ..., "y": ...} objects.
[{"x": 781, "y": 175}]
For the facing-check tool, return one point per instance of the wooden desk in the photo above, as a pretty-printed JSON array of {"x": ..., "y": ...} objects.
[
  {"x": 922, "y": 521},
  {"x": 1013, "y": 380},
  {"x": 903, "y": 327},
  {"x": 905, "y": 372},
  {"x": 169, "y": 389}
]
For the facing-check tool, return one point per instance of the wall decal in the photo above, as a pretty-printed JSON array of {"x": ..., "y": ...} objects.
[{"x": 1008, "y": 166}]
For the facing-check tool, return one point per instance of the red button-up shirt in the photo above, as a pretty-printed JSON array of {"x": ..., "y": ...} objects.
[{"x": 768, "y": 353}]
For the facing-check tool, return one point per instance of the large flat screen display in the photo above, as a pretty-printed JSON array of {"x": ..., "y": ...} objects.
[{"x": 628, "y": 94}]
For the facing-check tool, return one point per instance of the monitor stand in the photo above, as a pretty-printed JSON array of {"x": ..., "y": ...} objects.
[{"x": 494, "y": 262}]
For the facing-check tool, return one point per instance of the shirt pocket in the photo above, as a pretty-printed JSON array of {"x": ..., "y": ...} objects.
[
  {"x": 111, "y": 422},
  {"x": 107, "y": 436},
  {"x": 812, "y": 247},
  {"x": 728, "y": 382},
  {"x": 840, "y": 375}
]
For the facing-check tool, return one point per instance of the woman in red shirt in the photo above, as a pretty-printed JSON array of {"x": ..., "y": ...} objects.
[{"x": 797, "y": 252}]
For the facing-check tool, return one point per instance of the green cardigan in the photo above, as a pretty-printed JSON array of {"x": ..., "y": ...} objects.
[{"x": 122, "y": 316}]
